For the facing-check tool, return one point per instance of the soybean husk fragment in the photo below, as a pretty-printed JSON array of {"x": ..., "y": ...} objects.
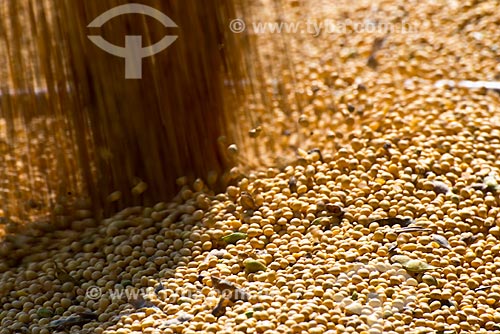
[
  {"x": 159, "y": 287},
  {"x": 87, "y": 315},
  {"x": 222, "y": 284},
  {"x": 318, "y": 220},
  {"x": 442, "y": 241},
  {"x": 253, "y": 266},
  {"x": 417, "y": 266},
  {"x": 292, "y": 184},
  {"x": 79, "y": 319},
  {"x": 469, "y": 238},
  {"x": 393, "y": 249},
  {"x": 441, "y": 188},
  {"x": 335, "y": 210},
  {"x": 229, "y": 293},
  {"x": 140, "y": 302},
  {"x": 429, "y": 280},
  {"x": 412, "y": 265},
  {"x": 447, "y": 302},
  {"x": 489, "y": 184},
  {"x": 372, "y": 61},
  {"x": 354, "y": 296},
  {"x": 403, "y": 222},
  {"x": 325, "y": 222},
  {"x": 44, "y": 313},
  {"x": 221, "y": 307},
  {"x": 219, "y": 253},
  {"x": 234, "y": 237},
  {"x": 247, "y": 202},
  {"x": 176, "y": 321},
  {"x": 411, "y": 229},
  {"x": 335, "y": 216},
  {"x": 229, "y": 289},
  {"x": 479, "y": 186},
  {"x": 63, "y": 276},
  {"x": 376, "y": 46}
]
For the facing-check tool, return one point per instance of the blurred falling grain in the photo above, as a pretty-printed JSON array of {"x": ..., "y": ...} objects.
[
  {"x": 72, "y": 126},
  {"x": 75, "y": 125}
]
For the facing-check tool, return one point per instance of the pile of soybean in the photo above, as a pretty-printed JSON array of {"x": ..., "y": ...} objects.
[
  {"x": 384, "y": 218},
  {"x": 310, "y": 245}
]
